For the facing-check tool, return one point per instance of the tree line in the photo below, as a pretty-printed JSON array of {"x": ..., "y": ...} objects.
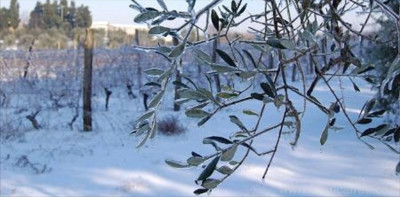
[
  {"x": 47, "y": 15},
  {"x": 53, "y": 25},
  {"x": 10, "y": 17},
  {"x": 60, "y": 15}
]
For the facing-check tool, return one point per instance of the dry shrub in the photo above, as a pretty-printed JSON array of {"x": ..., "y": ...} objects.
[{"x": 170, "y": 125}]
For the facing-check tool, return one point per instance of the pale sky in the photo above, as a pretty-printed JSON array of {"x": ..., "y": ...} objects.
[{"x": 118, "y": 11}]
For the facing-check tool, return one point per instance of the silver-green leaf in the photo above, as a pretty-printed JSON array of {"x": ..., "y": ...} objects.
[
  {"x": 191, "y": 94},
  {"x": 229, "y": 154},
  {"x": 145, "y": 116},
  {"x": 156, "y": 100},
  {"x": 154, "y": 72},
  {"x": 227, "y": 95},
  {"x": 156, "y": 30},
  {"x": 195, "y": 160},
  {"x": 145, "y": 16},
  {"x": 207, "y": 172},
  {"x": 237, "y": 121},
  {"x": 143, "y": 140},
  {"x": 176, "y": 164},
  {"x": 249, "y": 112},
  {"x": 324, "y": 136},
  {"x": 210, "y": 183},
  {"x": 288, "y": 44},
  {"x": 225, "y": 170},
  {"x": 162, "y": 4},
  {"x": 178, "y": 50},
  {"x": 196, "y": 113},
  {"x": 222, "y": 68}
]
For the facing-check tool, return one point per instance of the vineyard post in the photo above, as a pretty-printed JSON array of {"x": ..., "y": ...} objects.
[{"x": 87, "y": 81}]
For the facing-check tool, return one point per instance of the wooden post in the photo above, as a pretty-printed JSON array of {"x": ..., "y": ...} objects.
[
  {"x": 214, "y": 60},
  {"x": 139, "y": 68},
  {"x": 198, "y": 66},
  {"x": 28, "y": 62},
  {"x": 294, "y": 69},
  {"x": 324, "y": 45},
  {"x": 77, "y": 46},
  {"x": 361, "y": 46},
  {"x": 178, "y": 77},
  {"x": 310, "y": 69},
  {"x": 311, "y": 63},
  {"x": 294, "y": 72},
  {"x": 271, "y": 60},
  {"x": 108, "y": 95},
  {"x": 87, "y": 81}
]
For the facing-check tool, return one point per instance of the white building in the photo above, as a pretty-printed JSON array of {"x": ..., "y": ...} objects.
[
  {"x": 107, "y": 26},
  {"x": 127, "y": 28}
]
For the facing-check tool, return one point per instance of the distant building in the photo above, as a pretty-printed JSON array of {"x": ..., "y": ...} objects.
[
  {"x": 128, "y": 29},
  {"x": 107, "y": 26}
]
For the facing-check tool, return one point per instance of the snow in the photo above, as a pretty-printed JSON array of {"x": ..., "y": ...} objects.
[{"x": 105, "y": 162}]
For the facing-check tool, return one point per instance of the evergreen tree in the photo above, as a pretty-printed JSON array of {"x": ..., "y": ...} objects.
[
  {"x": 36, "y": 17},
  {"x": 3, "y": 23},
  {"x": 70, "y": 17},
  {"x": 13, "y": 16},
  {"x": 382, "y": 54},
  {"x": 60, "y": 15},
  {"x": 385, "y": 49},
  {"x": 50, "y": 16},
  {"x": 63, "y": 9},
  {"x": 83, "y": 17}
]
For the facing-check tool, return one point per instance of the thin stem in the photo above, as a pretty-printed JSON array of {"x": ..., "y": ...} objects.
[
  {"x": 276, "y": 145},
  {"x": 250, "y": 143},
  {"x": 201, "y": 12}
]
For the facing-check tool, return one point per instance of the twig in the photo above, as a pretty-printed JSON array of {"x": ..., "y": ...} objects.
[{"x": 276, "y": 145}]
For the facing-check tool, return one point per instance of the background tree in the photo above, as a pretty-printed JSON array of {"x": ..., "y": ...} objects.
[
  {"x": 55, "y": 23},
  {"x": 63, "y": 11},
  {"x": 381, "y": 53},
  {"x": 3, "y": 23},
  {"x": 60, "y": 15},
  {"x": 71, "y": 14},
  {"x": 83, "y": 18},
  {"x": 14, "y": 14},
  {"x": 118, "y": 38},
  {"x": 9, "y": 16},
  {"x": 50, "y": 16},
  {"x": 36, "y": 16}
]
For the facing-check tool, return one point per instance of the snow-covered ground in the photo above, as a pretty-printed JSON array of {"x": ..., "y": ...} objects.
[{"x": 59, "y": 162}]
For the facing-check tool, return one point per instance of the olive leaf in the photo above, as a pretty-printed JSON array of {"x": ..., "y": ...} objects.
[
  {"x": 156, "y": 100},
  {"x": 176, "y": 164},
  {"x": 226, "y": 58},
  {"x": 324, "y": 136},
  {"x": 207, "y": 172},
  {"x": 178, "y": 50},
  {"x": 225, "y": 170},
  {"x": 200, "y": 191},
  {"x": 158, "y": 30},
  {"x": 196, "y": 160},
  {"x": 145, "y": 16},
  {"x": 219, "y": 139},
  {"x": 215, "y": 19},
  {"x": 210, "y": 183},
  {"x": 230, "y": 153}
]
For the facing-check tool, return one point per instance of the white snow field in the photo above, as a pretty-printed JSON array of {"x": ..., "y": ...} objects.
[{"x": 57, "y": 161}]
